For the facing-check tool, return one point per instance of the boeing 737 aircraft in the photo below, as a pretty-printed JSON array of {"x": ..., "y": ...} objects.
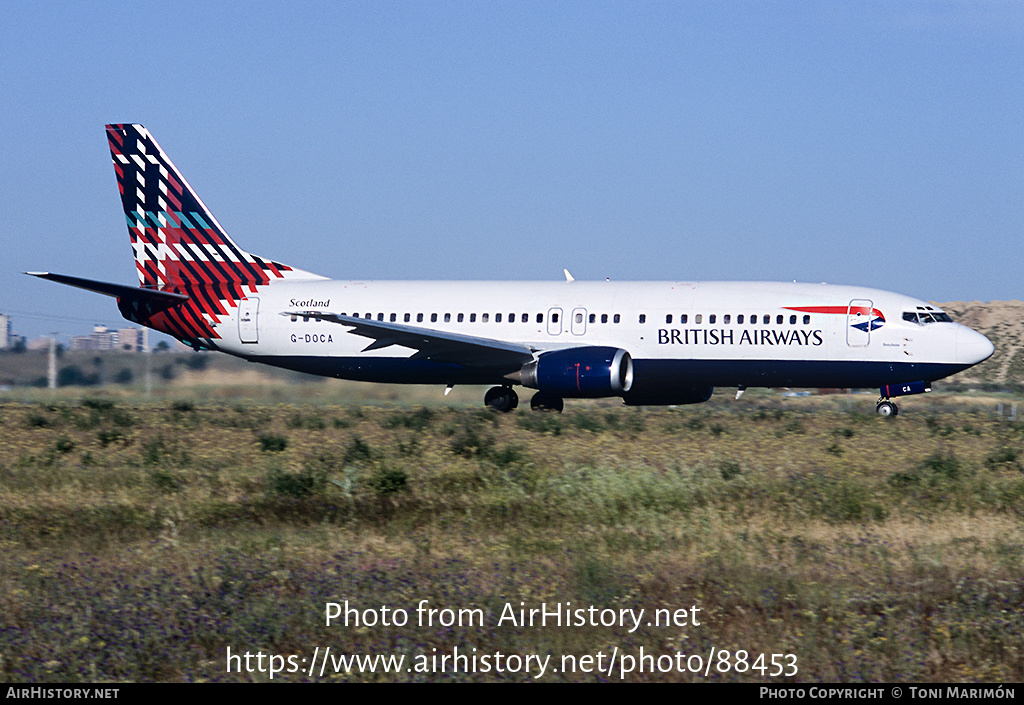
[{"x": 647, "y": 342}]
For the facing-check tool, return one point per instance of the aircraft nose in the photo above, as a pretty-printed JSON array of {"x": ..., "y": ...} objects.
[{"x": 972, "y": 347}]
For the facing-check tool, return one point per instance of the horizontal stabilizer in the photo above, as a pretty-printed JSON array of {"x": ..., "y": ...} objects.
[{"x": 168, "y": 298}]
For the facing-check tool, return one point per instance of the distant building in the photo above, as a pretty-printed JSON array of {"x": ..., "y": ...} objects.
[
  {"x": 5, "y": 332},
  {"x": 101, "y": 338},
  {"x": 81, "y": 342},
  {"x": 129, "y": 339}
]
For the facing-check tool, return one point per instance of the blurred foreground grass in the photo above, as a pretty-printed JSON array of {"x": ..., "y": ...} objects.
[{"x": 141, "y": 540}]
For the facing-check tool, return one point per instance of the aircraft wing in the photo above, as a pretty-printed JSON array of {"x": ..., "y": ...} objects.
[{"x": 429, "y": 344}]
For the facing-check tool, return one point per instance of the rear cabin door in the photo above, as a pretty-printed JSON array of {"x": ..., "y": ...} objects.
[{"x": 248, "y": 315}]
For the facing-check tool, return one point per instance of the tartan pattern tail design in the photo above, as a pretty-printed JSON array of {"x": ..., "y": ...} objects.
[{"x": 179, "y": 245}]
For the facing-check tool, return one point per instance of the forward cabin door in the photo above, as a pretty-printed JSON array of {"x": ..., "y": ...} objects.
[
  {"x": 578, "y": 325},
  {"x": 248, "y": 316},
  {"x": 858, "y": 323}
]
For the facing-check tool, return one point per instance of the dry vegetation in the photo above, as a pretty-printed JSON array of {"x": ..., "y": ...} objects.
[{"x": 141, "y": 540}]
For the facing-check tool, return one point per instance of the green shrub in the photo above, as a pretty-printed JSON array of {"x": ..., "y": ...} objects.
[
  {"x": 358, "y": 451},
  {"x": 388, "y": 481},
  {"x": 295, "y": 484},
  {"x": 417, "y": 420},
  {"x": 729, "y": 469},
  {"x": 272, "y": 443}
]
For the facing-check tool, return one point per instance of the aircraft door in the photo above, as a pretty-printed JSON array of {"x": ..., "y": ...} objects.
[
  {"x": 554, "y": 321},
  {"x": 858, "y": 323},
  {"x": 578, "y": 324},
  {"x": 248, "y": 316}
]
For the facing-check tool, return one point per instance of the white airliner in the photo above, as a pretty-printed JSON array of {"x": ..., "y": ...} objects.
[{"x": 649, "y": 343}]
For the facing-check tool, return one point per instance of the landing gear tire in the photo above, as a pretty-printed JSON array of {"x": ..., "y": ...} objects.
[
  {"x": 502, "y": 399},
  {"x": 887, "y": 409},
  {"x": 547, "y": 402}
]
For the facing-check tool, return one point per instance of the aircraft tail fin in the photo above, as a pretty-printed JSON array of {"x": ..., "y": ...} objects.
[{"x": 178, "y": 243}]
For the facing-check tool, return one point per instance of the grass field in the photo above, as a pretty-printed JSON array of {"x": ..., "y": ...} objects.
[{"x": 141, "y": 541}]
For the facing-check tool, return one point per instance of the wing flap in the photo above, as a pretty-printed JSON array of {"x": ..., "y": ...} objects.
[{"x": 429, "y": 344}]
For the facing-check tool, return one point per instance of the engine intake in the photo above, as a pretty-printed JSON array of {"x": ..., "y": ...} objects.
[{"x": 587, "y": 372}]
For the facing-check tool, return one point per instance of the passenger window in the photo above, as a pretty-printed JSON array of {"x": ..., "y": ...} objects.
[
  {"x": 408, "y": 317},
  {"x": 593, "y": 317},
  {"x": 462, "y": 316},
  {"x": 554, "y": 318},
  {"x": 579, "y": 318},
  {"x": 668, "y": 318},
  {"x": 739, "y": 318},
  {"x": 726, "y": 318},
  {"x": 380, "y": 316},
  {"x": 526, "y": 318},
  {"x": 394, "y": 317},
  {"x": 485, "y": 316},
  {"x": 792, "y": 320},
  {"x": 604, "y": 318},
  {"x": 682, "y": 318},
  {"x": 419, "y": 318},
  {"x": 643, "y": 318},
  {"x": 807, "y": 320},
  {"x": 779, "y": 319},
  {"x": 712, "y": 318},
  {"x": 540, "y": 318},
  {"x": 616, "y": 318},
  {"x": 697, "y": 318},
  {"x": 447, "y": 318},
  {"x": 433, "y": 318},
  {"x": 767, "y": 319},
  {"x": 497, "y": 318}
]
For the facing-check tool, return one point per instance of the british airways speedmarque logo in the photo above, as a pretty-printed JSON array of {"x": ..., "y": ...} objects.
[{"x": 873, "y": 318}]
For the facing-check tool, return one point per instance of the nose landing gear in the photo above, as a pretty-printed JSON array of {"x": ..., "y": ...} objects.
[{"x": 886, "y": 408}]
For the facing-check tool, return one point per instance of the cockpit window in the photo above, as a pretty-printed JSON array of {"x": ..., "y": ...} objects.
[{"x": 925, "y": 317}]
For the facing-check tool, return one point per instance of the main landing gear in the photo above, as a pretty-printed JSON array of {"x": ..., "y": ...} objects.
[
  {"x": 505, "y": 399},
  {"x": 502, "y": 399},
  {"x": 547, "y": 402}
]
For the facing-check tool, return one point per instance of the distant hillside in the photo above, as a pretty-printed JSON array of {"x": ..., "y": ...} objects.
[{"x": 1002, "y": 322}]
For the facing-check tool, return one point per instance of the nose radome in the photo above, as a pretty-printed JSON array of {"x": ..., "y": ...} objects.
[{"x": 972, "y": 347}]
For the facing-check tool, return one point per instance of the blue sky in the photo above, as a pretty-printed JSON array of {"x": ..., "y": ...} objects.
[{"x": 872, "y": 143}]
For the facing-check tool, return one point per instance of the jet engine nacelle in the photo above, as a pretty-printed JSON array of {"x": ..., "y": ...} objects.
[{"x": 588, "y": 372}]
